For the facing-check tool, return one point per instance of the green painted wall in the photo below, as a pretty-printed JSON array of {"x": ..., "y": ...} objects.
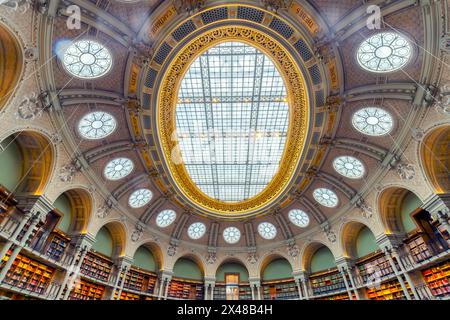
[
  {"x": 143, "y": 258},
  {"x": 63, "y": 205},
  {"x": 187, "y": 269},
  {"x": 410, "y": 203},
  {"x": 322, "y": 260},
  {"x": 10, "y": 164},
  {"x": 365, "y": 243},
  {"x": 277, "y": 269},
  {"x": 232, "y": 268},
  {"x": 104, "y": 242}
]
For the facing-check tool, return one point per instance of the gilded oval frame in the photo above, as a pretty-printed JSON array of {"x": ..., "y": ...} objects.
[{"x": 299, "y": 116}]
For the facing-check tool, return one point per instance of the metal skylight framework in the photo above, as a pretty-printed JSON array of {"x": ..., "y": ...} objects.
[{"x": 232, "y": 121}]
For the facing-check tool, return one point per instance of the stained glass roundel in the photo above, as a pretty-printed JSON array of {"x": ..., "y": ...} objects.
[
  {"x": 373, "y": 121},
  {"x": 96, "y": 125},
  {"x": 118, "y": 168},
  {"x": 232, "y": 121},
  {"x": 299, "y": 218},
  {"x": 384, "y": 52},
  {"x": 196, "y": 230},
  {"x": 231, "y": 235},
  {"x": 326, "y": 197},
  {"x": 267, "y": 230},
  {"x": 87, "y": 59},
  {"x": 140, "y": 198},
  {"x": 349, "y": 167},
  {"x": 165, "y": 218}
]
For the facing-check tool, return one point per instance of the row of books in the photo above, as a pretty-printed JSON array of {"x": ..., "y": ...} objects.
[
  {"x": 28, "y": 274},
  {"x": 438, "y": 279},
  {"x": 326, "y": 283},
  {"x": 96, "y": 266},
  {"x": 183, "y": 289},
  {"x": 280, "y": 290}
]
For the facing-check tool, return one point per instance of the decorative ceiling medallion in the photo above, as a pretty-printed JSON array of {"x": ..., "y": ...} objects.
[{"x": 298, "y": 118}]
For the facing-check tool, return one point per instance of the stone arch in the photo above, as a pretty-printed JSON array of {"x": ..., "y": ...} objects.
[
  {"x": 81, "y": 204},
  {"x": 231, "y": 260},
  {"x": 119, "y": 235},
  {"x": 349, "y": 234},
  {"x": 37, "y": 157},
  {"x": 435, "y": 159},
  {"x": 194, "y": 258},
  {"x": 269, "y": 259},
  {"x": 308, "y": 252},
  {"x": 11, "y": 65},
  {"x": 390, "y": 202},
  {"x": 156, "y": 251}
]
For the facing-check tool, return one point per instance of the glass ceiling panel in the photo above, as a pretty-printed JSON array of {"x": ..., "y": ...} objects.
[{"x": 232, "y": 121}]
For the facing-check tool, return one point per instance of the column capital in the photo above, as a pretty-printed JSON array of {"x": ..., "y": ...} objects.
[
  {"x": 38, "y": 205},
  {"x": 344, "y": 263},
  {"x": 436, "y": 203},
  {"x": 125, "y": 261},
  {"x": 166, "y": 275},
  {"x": 86, "y": 240}
]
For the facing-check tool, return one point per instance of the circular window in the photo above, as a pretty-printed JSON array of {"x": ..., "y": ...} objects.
[
  {"x": 326, "y": 197},
  {"x": 139, "y": 198},
  {"x": 384, "y": 52},
  {"x": 87, "y": 59},
  {"x": 349, "y": 167},
  {"x": 231, "y": 235},
  {"x": 118, "y": 168},
  {"x": 299, "y": 218},
  {"x": 165, "y": 218},
  {"x": 97, "y": 125},
  {"x": 196, "y": 230},
  {"x": 373, "y": 121},
  {"x": 267, "y": 230}
]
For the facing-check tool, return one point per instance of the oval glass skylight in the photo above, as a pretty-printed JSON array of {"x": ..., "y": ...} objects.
[
  {"x": 231, "y": 235},
  {"x": 326, "y": 197},
  {"x": 384, "y": 52},
  {"x": 299, "y": 218},
  {"x": 165, "y": 218},
  {"x": 349, "y": 167},
  {"x": 140, "y": 198},
  {"x": 373, "y": 121},
  {"x": 196, "y": 230},
  {"x": 87, "y": 59},
  {"x": 232, "y": 121},
  {"x": 97, "y": 125},
  {"x": 118, "y": 168},
  {"x": 267, "y": 230}
]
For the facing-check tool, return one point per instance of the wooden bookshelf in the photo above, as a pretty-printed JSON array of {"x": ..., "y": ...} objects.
[
  {"x": 127, "y": 296},
  {"x": 374, "y": 266},
  {"x": 418, "y": 248},
  {"x": 341, "y": 296},
  {"x": 186, "y": 289},
  {"x": 326, "y": 282},
  {"x": 139, "y": 280},
  {"x": 220, "y": 291},
  {"x": 57, "y": 244},
  {"x": 7, "y": 202},
  {"x": 28, "y": 274},
  {"x": 391, "y": 290},
  {"x": 96, "y": 266},
  {"x": 86, "y": 290},
  {"x": 245, "y": 292},
  {"x": 280, "y": 290},
  {"x": 438, "y": 279}
]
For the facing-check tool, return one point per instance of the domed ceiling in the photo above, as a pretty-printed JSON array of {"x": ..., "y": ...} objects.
[{"x": 236, "y": 124}]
